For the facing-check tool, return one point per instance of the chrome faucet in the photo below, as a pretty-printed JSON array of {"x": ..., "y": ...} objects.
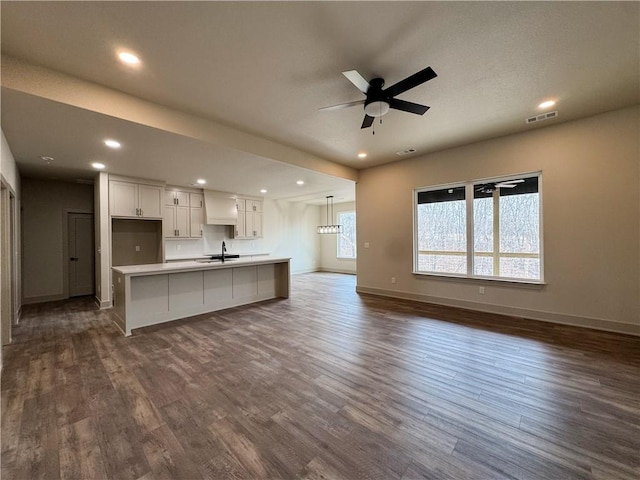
[{"x": 224, "y": 249}]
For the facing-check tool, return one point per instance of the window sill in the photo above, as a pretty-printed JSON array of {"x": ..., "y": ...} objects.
[{"x": 502, "y": 280}]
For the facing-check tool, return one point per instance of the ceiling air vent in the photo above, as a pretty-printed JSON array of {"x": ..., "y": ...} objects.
[
  {"x": 541, "y": 117},
  {"x": 406, "y": 152}
]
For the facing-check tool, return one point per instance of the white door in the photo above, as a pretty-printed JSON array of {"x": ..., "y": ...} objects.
[{"x": 81, "y": 258}]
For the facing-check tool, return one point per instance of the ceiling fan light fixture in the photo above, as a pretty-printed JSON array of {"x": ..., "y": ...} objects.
[{"x": 376, "y": 109}]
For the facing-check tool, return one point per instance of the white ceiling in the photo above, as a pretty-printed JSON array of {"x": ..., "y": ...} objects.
[{"x": 265, "y": 68}]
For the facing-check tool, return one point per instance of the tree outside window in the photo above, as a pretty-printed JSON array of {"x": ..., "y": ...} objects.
[
  {"x": 347, "y": 239},
  {"x": 501, "y": 240}
]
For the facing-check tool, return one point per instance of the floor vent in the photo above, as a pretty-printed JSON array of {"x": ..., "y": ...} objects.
[{"x": 544, "y": 116}]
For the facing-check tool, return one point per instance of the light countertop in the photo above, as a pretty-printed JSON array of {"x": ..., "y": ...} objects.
[
  {"x": 193, "y": 257},
  {"x": 186, "y": 266}
]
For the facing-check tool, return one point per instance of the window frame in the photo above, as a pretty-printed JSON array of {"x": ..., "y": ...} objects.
[
  {"x": 469, "y": 212},
  {"x": 338, "y": 236}
]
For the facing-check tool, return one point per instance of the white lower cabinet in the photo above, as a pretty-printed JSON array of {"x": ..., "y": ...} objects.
[{"x": 218, "y": 287}]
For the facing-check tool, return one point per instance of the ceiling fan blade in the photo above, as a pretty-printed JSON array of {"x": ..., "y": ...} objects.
[
  {"x": 367, "y": 122},
  {"x": 357, "y": 79},
  {"x": 408, "y": 106},
  {"x": 342, "y": 105},
  {"x": 509, "y": 183},
  {"x": 411, "y": 82}
]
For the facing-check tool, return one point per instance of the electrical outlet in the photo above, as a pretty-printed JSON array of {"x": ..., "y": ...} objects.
[
  {"x": 393, "y": 279},
  {"x": 137, "y": 248},
  {"x": 366, "y": 244},
  {"x": 481, "y": 290}
]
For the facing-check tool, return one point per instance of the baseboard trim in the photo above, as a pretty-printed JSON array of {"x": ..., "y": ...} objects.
[
  {"x": 306, "y": 270},
  {"x": 102, "y": 304},
  {"x": 337, "y": 270},
  {"x": 43, "y": 299},
  {"x": 560, "y": 318}
]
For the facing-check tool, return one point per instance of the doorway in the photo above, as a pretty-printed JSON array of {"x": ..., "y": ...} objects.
[{"x": 80, "y": 258}]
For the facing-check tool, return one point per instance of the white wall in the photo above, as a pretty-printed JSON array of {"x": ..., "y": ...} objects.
[
  {"x": 8, "y": 166},
  {"x": 289, "y": 230},
  {"x": 44, "y": 205},
  {"x": 10, "y": 176},
  {"x": 329, "y": 262},
  {"x": 102, "y": 240},
  {"x": 591, "y": 206}
]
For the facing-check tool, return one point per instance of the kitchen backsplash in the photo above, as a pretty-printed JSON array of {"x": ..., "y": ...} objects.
[{"x": 210, "y": 243}]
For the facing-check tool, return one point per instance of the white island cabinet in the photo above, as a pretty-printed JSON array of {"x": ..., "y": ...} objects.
[{"x": 150, "y": 294}]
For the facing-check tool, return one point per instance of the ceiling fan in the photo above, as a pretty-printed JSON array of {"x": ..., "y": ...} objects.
[
  {"x": 492, "y": 187},
  {"x": 379, "y": 101}
]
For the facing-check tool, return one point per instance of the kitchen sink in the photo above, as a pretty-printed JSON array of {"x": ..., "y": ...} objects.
[{"x": 218, "y": 259}]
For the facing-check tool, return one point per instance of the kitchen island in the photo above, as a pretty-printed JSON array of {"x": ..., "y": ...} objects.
[{"x": 150, "y": 294}]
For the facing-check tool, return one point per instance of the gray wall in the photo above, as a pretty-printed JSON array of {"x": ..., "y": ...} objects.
[
  {"x": 44, "y": 207},
  {"x": 591, "y": 208},
  {"x": 127, "y": 234}
]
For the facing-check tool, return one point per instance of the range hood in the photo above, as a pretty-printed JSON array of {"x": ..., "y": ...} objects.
[{"x": 220, "y": 208}]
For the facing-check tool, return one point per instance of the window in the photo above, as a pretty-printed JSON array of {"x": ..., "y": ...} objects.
[
  {"x": 347, "y": 239},
  {"x": 487, "y": 229}
]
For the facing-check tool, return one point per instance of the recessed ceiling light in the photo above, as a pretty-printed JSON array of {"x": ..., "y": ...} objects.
[
  {"x": 362, "y": 155},
  {"x": 98, "y": 165},
  {"x": 547, "y": 104},
  {"x": 47, "y": 159},
  {"x": 128, "y": 58},
  {"x": 201, "y": 181},
  {"x": 263, "y": 191},
  {"x": 300, "y": 182},
  {"x": 112, "y": 143}
]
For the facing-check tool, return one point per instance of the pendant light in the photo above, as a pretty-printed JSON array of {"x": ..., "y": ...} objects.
[{"x": 331, "y": 229}]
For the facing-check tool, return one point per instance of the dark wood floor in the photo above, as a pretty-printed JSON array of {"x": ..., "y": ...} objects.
[{"x": 326, "y": 384}]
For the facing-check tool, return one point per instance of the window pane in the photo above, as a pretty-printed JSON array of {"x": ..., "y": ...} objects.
[
  {"x": 515, "y": 267},
  {"x": 347, "y": 239},
  {"x": 442, "y": 236},
  {"x": 505, "y": 228},
  {"x": 483, "y": 234},
  {"x": 520, "y": 234},
  {"x": 516, "y": 253}
]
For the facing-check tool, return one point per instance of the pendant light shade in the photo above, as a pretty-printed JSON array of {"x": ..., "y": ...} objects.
[{"x": 329, "y": 229}]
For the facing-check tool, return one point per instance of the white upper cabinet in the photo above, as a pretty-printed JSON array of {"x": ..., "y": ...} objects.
[
  {"x": 249, "y": 218},
  {"x": 176, "y": 197},
  {"x": 183, "y": 214},
  {"x": 128, "y": 199}
]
